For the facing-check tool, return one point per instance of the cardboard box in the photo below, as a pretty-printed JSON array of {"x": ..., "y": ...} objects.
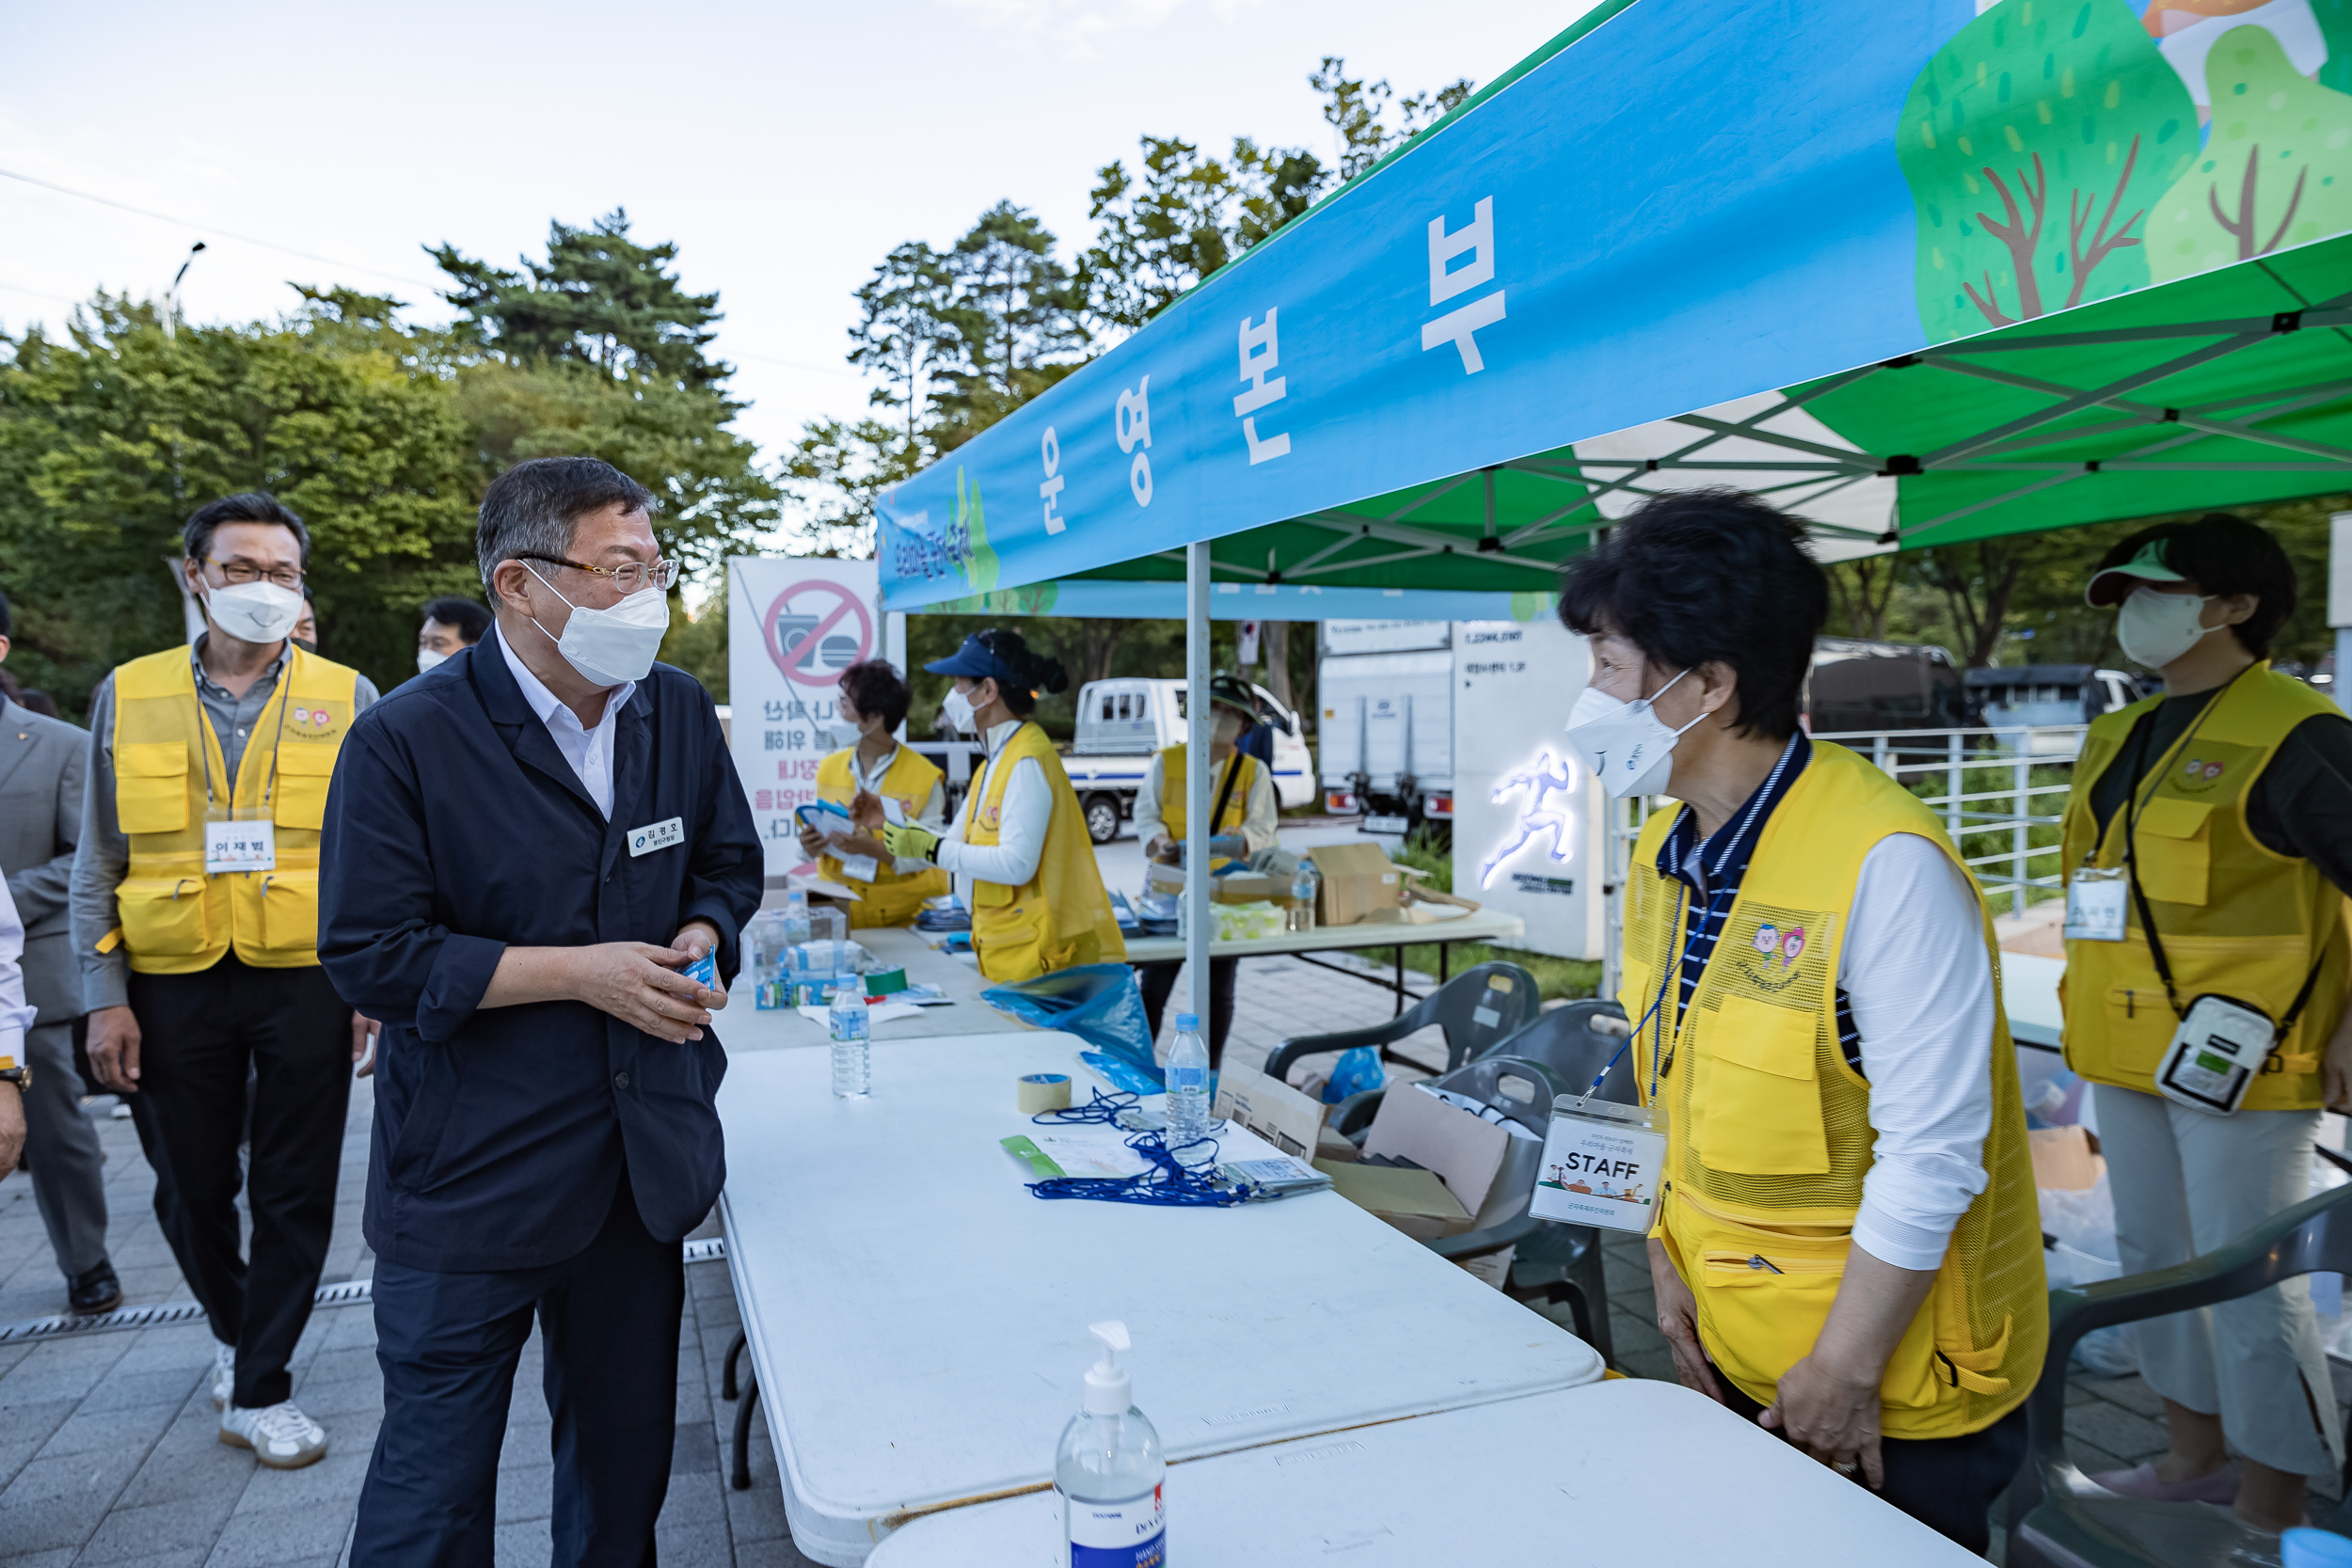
[
  {"x": 1360, "y": 885},
  {"x": 1414, "y": 1201},
  {"x": 1273, "y": 1110},
  {"x": 1464, "y": 1150},
  {"x": 1240, "y": 887}
]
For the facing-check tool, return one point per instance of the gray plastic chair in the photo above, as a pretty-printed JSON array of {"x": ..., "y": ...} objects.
[
  {"x": 1478, "y": 1010},
  {"x": 2057, "y": 1517}
]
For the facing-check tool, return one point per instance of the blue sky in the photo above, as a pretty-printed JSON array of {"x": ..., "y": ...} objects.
[{"x": 784, "y": 147}]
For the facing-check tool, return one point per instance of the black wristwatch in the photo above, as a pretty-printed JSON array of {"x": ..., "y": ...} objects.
[{"x": 21, "y": 1076}]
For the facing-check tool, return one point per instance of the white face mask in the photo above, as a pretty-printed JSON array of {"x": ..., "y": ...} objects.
[
  {"x": 258, "y": 611},
  {"x": 845, "y": 732},
  {"x": 959, "y": 710},
  {"x": 611, "y": 647},
  {"x": 2157, "y": 628},
  {"x": 1624, "y": 744},
  {"x": 427, "y": 658}
]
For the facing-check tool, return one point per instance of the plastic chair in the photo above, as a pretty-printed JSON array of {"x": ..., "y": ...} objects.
[
  {"x": 2059, "y": 1518},
  {"x": 1478, "y": 1010},
  {"x": 1577, "y": 1041}
]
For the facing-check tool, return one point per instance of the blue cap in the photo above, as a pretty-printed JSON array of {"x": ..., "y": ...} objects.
[
  {"x": 1187, "y": 1021},
  {"x": 2314, "y": 1548},
  {"x": 976, "y": 660}
]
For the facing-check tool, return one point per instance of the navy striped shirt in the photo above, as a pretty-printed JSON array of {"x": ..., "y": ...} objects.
[{"x": 1712, "y": 874}]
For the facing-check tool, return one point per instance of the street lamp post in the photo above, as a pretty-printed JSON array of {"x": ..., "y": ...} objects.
[{"x": 171, "y": 296}]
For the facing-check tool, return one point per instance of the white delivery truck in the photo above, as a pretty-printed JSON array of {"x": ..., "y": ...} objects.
[
  {"x": 1386, "y": 688},
  {"x": 1121, "y": 722}
]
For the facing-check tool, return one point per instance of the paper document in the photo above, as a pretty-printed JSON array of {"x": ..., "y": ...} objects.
[{"x": 877, "y": 1013}]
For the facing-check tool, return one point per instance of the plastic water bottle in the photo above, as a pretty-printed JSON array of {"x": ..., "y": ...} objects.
[
  {"x": 852, "y": 1041},
  {"x": 1306, "y": 883},
  {"x": 795, "y": 917},
  {"x": 1108, "y": 1470},
  {"x": 768, "y": 955},
  {"x": 1187, "y": 1083}
]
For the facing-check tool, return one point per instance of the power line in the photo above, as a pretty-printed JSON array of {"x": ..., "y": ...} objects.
[{"x": 210, "y": 229}]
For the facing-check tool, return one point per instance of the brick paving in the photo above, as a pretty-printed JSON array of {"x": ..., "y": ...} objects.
[{"x": 109, "y": 1453}]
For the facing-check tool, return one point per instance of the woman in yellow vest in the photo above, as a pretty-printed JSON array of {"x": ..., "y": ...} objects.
[
  {"x": 1018, "y": 849},
  {"x": 872, "y": 701},
  {"x": 1240, "y": 803},
  {"x": 2208, "y": 845},
  {"x": 1844, "y": 1239}
]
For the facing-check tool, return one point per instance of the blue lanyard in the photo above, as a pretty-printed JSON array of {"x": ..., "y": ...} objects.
[{"x": 1674, "y": 970}]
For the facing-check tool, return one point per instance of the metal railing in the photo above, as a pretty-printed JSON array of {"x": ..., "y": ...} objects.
[{"x": 2000, "y": 793}]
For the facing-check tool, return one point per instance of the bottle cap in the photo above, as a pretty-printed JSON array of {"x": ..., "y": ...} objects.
[
  {"x": 1110, "y": 1391},
  {"x": 1189, "y": 1020}
]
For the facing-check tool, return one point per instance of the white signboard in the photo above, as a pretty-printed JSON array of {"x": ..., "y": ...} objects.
[
  {"x": 1383, "y": 637},
  {"x": 1527, "y": 839},
  {"x": 793, "y": 624}
]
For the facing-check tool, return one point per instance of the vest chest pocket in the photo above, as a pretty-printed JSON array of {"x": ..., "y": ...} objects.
[
  {"x": 2174, "y": 850},
  {"x": 1755, "y": 1108},
  {"x": 152, "y": 786},
  {"x": 298, "y": 797}
]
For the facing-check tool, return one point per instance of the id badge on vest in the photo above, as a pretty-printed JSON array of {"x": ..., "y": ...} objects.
[
  {"x": 1602, "y": 1165},
  {"x": 239, "y": 838},
  {"x": 2097, "y": 903}
]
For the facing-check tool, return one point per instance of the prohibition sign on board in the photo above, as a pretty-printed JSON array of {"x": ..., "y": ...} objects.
[{"x": 799, "y": 627}]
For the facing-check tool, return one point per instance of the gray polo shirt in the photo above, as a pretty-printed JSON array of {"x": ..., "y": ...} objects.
[{"x": 104, "y": 855}]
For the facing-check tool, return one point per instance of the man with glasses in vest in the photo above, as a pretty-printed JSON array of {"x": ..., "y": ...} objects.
[
  {"x": 195, "y": 917},
  {"x": 1846, "y": 1248}
]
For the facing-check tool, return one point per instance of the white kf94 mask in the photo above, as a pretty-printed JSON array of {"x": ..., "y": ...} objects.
[
  {"x": 612, "y": 647},
  {"x": 1628, "y": 747}
]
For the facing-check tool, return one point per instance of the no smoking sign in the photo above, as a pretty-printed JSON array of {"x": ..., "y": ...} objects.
[{"x": 816, "y": 629}]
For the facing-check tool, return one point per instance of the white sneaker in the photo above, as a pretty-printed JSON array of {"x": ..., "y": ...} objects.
[
  {"x": 280, "y": 1435},
  {"x": 224, "y": 1374}
]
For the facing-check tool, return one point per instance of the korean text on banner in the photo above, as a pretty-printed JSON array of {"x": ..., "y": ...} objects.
[
  {"x": 1527, "y": 836},
  {"x": 794, "y": 625}
]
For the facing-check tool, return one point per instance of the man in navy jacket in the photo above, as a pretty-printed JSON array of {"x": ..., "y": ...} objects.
[{"x": 524, "y": 850}]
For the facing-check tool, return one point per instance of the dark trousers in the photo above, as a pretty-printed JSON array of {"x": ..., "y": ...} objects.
[
  {"x": 448, "y": 1343},
  {"x": 199, "y": 1036},
  {"x": 1157, "y": 979},
  {"x": 1948, "y": 1484}
]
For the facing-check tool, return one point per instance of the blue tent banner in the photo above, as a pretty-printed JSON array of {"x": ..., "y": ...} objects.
[{"x": 1689, "y": 204}]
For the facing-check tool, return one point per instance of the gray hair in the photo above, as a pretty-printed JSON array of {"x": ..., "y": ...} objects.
[{"x": 533, "y": 508}]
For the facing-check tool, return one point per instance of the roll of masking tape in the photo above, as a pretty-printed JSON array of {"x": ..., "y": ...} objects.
[{"x": 1043, "y": 1091}]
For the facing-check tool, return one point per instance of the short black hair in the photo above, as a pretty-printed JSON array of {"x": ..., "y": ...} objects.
[
  {"x": 2223, "y": 553},
  {"x": 1035, "y": 671},
  {"x": 7, "y": 618},
  {"x": 875, "y": 687},
  {"x": 1709, "y": 575},
  {"x": 248, "y": 506},
  {"x": 468, "y": 620},
  {"x": 534, "y": 507}
]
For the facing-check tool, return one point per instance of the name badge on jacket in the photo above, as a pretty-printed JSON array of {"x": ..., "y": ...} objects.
[{"x": 657, "y": 835}]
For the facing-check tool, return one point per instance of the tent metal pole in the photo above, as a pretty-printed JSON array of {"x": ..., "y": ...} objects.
[{"x": 1199, "y": 778}]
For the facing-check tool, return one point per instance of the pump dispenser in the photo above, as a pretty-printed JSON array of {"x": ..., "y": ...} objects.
[{"x": 1110, "y": 1468}]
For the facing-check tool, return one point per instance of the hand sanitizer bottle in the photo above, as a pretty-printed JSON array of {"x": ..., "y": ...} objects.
[{"x": 1108, "y": 1470}]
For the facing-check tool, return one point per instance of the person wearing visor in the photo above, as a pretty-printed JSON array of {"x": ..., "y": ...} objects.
[
  {"x": 1242, "y": 807},
  {"x": 2207, "y": 848},
  {"x": 1845, "y": 1243},
  {"x": 450, "y": 623},
  {"x": 539, "y": 857},
  {"x": 1018, "y": 849},
  {"x": 194, "y": 923},
  {"x": 871, "y": 769}
]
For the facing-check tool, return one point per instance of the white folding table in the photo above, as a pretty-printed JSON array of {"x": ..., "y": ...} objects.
[
  {"x": 918, "y": 1319},
  {"x": 744, "y": 1027},
  {"x": 1610, "y": 1475}
]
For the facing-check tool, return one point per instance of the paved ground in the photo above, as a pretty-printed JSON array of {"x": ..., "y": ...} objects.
[{"x": 109, "y": 1454}]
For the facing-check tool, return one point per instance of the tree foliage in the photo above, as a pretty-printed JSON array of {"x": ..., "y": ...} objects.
[
  {"x": 1357, "y": 110},
  {"x": 1181, "y": 218}
]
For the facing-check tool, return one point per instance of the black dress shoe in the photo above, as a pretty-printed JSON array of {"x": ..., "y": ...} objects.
[{"x": 95, "y": 1290}]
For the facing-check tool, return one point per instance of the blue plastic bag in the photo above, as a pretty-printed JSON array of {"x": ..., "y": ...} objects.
[
  {"x": 1098, "y": 1003},
  {"x": 1357, "y": 1070}
]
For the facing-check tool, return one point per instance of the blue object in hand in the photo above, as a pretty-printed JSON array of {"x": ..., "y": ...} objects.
[{"x": 703, "y": 971}]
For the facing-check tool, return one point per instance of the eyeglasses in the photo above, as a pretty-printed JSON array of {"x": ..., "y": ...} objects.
[
  {"x": 628, "y": 577},
  {"x": 237, "y": 572}
]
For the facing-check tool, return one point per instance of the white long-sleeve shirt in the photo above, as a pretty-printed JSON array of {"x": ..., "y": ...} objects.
[
  {"x": 15, "y": 1017},
  {"x": 589, "y": 751},
  {"x": 1914, "y": 971},
  {"x": 1025, "y": 812},
  {"x": 1259, "y": 812}
]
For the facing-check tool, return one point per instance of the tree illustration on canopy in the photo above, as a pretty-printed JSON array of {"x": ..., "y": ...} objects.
[{"x": 2036, "y": 141}]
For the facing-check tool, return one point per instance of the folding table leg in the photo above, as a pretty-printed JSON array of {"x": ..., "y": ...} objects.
[
  {"x": 726, "y": 1380},
  {"x": 1445, "y": 962},
  {"x": 1400, "y": 984},
  {"x": 741, "y": 1475}
]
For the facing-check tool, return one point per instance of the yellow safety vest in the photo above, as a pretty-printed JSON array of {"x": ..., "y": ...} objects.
[
  {"x": 170, "y": 772},
  {"x": 893, "y": 896},
  {"x": 1060, "y": 917},
  {"x": 2235, "y": 918},
  {"x": 1768, "y": 1128},
  {"x": 1243, "y": 770}
]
